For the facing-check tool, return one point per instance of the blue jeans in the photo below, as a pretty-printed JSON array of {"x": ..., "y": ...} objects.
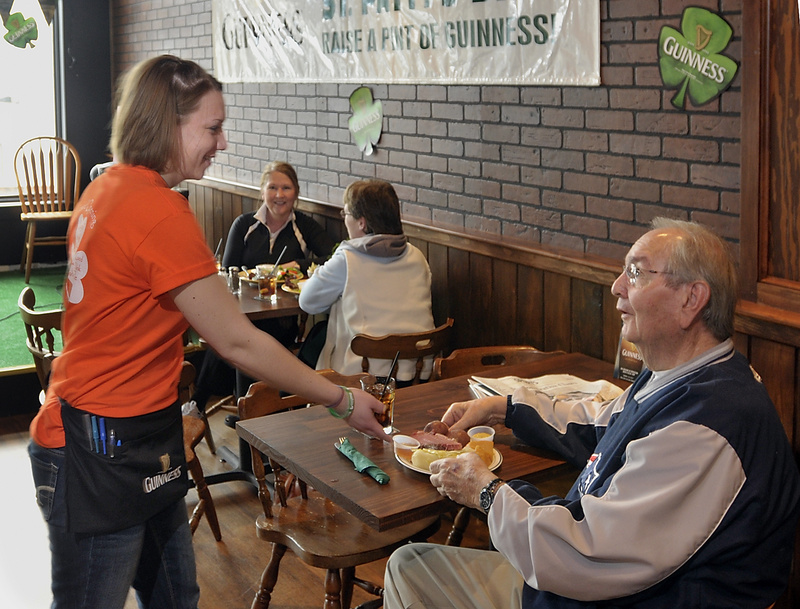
[{"x": 96, "y": 571}]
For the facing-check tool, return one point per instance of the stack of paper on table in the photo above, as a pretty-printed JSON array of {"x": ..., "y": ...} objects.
[{"x": 557, "y": 386}]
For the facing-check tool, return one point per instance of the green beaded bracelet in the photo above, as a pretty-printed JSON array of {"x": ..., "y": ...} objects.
[{"x": 351, "y": 402}]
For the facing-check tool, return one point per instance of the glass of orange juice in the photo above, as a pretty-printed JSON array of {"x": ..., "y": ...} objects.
[{"x": 481, "y": 440}]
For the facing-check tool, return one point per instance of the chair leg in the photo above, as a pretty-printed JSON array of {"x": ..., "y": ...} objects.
[
  {"x": 333, "y": 590},
  {"x": 460, "y": 523},
  {"x": 268, "y": 578},
  {"x": 227, "y": 403},
  {"x": 347, "y": 576},
  {"x": 209, "y": 438},
  {"x": 27, "y": 251},
  {"x": 205, "y": 503},
  {"x": 368, "y": 587}
]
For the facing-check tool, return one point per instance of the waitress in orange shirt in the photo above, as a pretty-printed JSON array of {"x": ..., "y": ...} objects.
[{"x": 107, "y": 449}]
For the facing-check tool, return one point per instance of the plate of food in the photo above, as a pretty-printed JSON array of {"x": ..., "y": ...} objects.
[
  {"x": 421, "y": 458},
  {"x": 290, "y": 274},
  {"x": 284, "y": 274},
  {"x": 248, "y": 275},
  {"x": 436, "y": 441},
  {"x": 293, "y": 287}
]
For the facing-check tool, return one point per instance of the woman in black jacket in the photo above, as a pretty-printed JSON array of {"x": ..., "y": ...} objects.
[{"x": 259, "y": 238}]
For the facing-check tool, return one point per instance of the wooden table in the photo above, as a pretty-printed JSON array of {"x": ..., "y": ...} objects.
[
  {"x": 302, "y": 442},
  {"x": 285, "y": 306}
]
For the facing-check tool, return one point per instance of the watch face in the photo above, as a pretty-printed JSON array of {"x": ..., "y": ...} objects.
[
  {"x": 487, "y": 494},
  {"x": 486, "y": 499}
]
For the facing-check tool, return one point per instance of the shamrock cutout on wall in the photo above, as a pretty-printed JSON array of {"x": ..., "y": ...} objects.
[
  {"x": 691, "y": 60},
  {"x": 367, "y": 120},
  {"x": 20, "y": 31}
]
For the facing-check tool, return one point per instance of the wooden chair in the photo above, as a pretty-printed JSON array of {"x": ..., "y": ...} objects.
[
  {"x": 48, "y": 171},
  {"x": 194, "y": 430},
  {"x": 475, "y": 359},
  {"x": 416, "y": 346},
  {"x": 41, "y": 329},
  {"x": 341, "y": 543}
]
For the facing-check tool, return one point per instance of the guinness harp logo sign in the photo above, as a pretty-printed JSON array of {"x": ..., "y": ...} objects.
[{"x": 691, "y": 60}]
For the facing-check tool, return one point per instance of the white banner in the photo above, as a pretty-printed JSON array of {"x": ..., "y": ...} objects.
[{"x": 504, "y": 42}]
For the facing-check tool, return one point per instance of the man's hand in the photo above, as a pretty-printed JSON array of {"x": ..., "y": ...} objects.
[
  {"x": 484, "y": 411},
  {"x": 461, "y": 478}
]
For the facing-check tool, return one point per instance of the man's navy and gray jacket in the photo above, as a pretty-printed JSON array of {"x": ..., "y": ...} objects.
[{"x": 689, "y": 494}]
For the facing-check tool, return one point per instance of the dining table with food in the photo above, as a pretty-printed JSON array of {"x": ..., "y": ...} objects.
[
  {"x": 297, "y": 439},
  {"x": 263, "y": 294}
]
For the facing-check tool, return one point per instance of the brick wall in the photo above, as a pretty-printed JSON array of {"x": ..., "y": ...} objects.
[{"x": 579, "y": 167}]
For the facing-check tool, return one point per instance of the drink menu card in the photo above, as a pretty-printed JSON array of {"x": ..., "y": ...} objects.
[
  {"x": 629, "y": 361},
  {"x": 557, "y": 386}
]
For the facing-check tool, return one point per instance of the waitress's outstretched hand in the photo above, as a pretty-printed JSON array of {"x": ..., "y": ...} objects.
[{"x": 363, "y": 417}]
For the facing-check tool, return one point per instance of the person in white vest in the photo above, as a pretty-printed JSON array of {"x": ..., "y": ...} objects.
[{"x": 375, "y": 283}]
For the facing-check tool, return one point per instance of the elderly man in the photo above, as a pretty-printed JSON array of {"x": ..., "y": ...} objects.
[{"x": 689, "y": 493}]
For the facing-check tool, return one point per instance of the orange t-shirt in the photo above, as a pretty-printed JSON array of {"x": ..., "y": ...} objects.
[{"x": 131, "y": 240}]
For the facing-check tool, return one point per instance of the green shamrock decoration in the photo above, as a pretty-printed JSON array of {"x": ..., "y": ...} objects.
[
  {"x": 21, "y": 32},
  {"x": 691, "y": 60},
  {"x": 367, "y": 120}
]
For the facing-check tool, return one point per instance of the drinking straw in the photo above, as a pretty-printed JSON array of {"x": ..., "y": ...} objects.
[
  {"x": 277, "y": 262},
  {"x": 219, "y": 245},
  {"x": 391, "y": 372}
]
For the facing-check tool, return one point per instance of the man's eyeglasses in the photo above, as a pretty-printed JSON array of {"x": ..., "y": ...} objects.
[
  {"x": 343, "y": 212},
  {"x": 633, "y": 273}
]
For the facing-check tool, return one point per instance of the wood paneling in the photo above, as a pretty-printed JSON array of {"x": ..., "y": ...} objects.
[
  {"x": 557, "y": 296},
  {"x": 770, "y": 177}
]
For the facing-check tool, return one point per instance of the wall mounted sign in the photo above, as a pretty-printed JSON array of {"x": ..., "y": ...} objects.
[
  {"x": 548, "y": 42},
  {"x": 20, "y": 31},
  {"x": 691, "y": 60},
  {"x": 366, "y": 123},
  {"x": 23, "y": 31}
]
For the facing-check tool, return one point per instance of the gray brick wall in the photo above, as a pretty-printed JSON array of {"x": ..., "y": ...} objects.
[{"x": 579, "y": 167}]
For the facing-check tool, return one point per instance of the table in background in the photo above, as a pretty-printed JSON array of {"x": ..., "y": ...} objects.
[
  {"x": 302, "y": 441},
  {"x": 286, "y": 304}
]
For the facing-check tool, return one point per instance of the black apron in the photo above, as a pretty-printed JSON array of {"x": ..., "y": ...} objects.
[{"x": 121, "y": 471}]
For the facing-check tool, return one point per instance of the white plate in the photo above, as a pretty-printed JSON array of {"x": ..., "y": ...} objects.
[
  {"x": 296, "y": 290},
  {"x": 496, "y": 461},
  {"x": 245, "y": 276}
]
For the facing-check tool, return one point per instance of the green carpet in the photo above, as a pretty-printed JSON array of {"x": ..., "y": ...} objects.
[{"x": 47, "y": 283}]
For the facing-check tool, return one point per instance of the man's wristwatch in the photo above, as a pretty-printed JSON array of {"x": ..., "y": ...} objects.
[{"x": 488, "y": 492}]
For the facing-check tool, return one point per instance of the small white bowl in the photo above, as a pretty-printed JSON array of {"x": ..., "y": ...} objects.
[
  {"x": 482, "y": 429},
  {"x": 404, "y": 446}
]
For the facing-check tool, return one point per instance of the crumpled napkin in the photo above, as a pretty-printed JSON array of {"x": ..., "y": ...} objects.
[{"x": 362, "y": 463}]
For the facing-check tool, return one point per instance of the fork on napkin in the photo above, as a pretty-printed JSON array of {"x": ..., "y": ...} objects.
[{"x": 362, "y": 463}]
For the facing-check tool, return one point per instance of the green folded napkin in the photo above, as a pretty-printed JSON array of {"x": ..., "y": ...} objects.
[{"x": 363, "y": 465}]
